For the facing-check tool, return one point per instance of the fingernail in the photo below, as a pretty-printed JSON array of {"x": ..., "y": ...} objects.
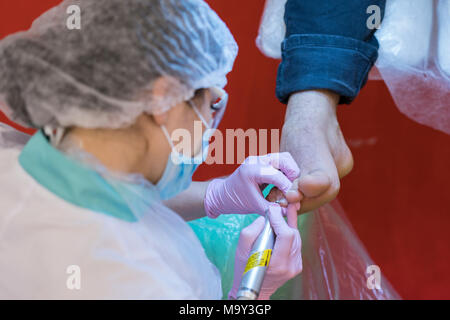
[
  {"x": 291, "y": 193},
  {"x": 282, "y": 202}
]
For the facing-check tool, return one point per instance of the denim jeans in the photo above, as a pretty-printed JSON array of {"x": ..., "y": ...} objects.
[{"x": 328, "y": 45}]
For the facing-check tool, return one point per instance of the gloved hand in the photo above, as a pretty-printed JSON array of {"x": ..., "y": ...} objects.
[
  {"x": 286, "y": 260},
  {"x": 240, "y": 192}
]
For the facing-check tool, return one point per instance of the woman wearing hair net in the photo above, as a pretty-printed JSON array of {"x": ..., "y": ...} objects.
[{"x": 82, "y": 213}]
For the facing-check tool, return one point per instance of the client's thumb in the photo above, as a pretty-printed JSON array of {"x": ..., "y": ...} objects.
[{"x": 314, "y": 183}]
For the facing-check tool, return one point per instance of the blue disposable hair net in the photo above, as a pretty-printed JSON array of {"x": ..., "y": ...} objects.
[{"x": 108, "y": 72}]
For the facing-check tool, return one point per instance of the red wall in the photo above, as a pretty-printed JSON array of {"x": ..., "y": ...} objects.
[{"x": 396, "y": 196}]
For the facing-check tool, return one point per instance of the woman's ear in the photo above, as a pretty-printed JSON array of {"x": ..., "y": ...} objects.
[{"x": 162, "y": 87}]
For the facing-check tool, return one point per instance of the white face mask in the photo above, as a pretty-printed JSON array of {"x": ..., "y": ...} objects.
[{"x": 179, "y": 169}]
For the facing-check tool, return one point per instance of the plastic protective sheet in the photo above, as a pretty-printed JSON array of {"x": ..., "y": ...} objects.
[
  {"x": 10, "y": 138},
  {"x": 414, "y": 55},
  {"x": 414, "y": 59},
  {"x": 272, "y": 29},
  {"x": 334, "y": 260}
]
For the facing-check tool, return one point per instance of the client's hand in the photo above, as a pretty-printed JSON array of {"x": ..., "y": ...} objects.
[
  {"x": 240, "y": 193},
  {"x": 312, "y": 135},
  {"x": 286, "y": 260}
]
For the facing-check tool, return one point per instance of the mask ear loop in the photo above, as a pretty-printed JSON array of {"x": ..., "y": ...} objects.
[
  {"x": 192, "y": 104},
  {"x": 205, "y": 137},
  {"x": 209, "y": 128},
  {"x": 174, "y": 158},
  {"x": 166, "y": 133},
  {"x": 55, "y": 135}
]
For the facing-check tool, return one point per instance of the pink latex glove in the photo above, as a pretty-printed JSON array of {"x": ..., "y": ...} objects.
[
  {"x": 240, "y": 193},
  {"x": 286, "y": 260}
]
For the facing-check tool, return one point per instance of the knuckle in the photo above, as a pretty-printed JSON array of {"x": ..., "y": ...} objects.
[
  {"x": 332, "y": 192},
  {"x": 335, "y": 188},
  {"x": 251, "y": 160},
  {"x": 246, "y": 233},
  {"x": 295, "y": 272},
  {"x": 290, "y": 234},
  {"x": 300, "y": 268},
  {"x": 246, "y": 170},
  {"x": 287, "y": 155},
  {"x": 291, "y": 273},
  {"x": 346, "y": 165},
  {"x": 279, "y": 271}
]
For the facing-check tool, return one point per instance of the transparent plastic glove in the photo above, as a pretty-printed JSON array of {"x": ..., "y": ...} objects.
[
  {"x": 286, "y": 260},
  {"x": 240, "y": 193}
]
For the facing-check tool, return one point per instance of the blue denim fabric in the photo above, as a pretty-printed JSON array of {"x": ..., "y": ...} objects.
[{"x": 327, "y": 46}]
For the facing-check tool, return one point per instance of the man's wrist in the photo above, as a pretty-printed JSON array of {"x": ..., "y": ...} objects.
[
  {"x": 319, "y": 96},
  {"x": 305, "y": 106}
]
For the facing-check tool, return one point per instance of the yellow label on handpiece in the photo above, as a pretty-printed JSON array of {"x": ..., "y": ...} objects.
[{"x": 258, "y": 259}]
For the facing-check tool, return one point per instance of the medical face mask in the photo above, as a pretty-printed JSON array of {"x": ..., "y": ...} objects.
[{"x": 179, "y": 169}]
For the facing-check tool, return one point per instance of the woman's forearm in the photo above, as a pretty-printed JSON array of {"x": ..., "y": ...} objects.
[{"x": 189, "y": 204}]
